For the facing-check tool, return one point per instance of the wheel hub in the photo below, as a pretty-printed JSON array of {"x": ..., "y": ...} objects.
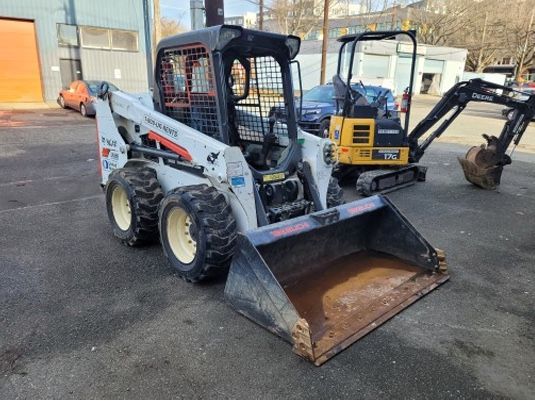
[
  {"x": 121, "y": 208},
  {"x": 182, "y": 235}
]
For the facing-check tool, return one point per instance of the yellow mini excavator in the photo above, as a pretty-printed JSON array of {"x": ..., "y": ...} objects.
[{"x": 382, "y": 152}]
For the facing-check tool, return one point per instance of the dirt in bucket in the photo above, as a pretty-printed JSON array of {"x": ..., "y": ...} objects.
[{"x": 347, "y": 287}]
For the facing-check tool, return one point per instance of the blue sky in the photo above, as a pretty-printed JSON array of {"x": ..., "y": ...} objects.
[{"x": 179, "y": 9}]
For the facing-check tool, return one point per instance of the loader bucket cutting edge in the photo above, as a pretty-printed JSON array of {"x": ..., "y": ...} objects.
[
  {"x": 324, "y": 280},
  {"x": 479, "y": 169}
]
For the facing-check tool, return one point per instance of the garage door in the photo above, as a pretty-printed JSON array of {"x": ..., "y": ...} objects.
[
  {"x": 20, "y": 79},
  {"x": 433, "y": 66},
  {"x": 403, "y": 74}
]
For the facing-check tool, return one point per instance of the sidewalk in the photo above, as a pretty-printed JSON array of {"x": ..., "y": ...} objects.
[
  {"x": 29, "y": 106},
  {"x": 43, "y": 116}
]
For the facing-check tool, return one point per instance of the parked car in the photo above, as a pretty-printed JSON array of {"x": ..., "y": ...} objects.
[
  {"x": 80, "y": 96},
  {"x": 319, "y": 105},
  {"x": 522, "y": 94}
]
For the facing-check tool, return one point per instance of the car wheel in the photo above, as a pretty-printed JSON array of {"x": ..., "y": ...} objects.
[
  {"x": 62, "y": 102},
  {"x": 83, "y": 110},
  {"x": 324, "y": 128}
]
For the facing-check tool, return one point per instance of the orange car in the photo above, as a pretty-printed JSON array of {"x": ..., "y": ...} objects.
[{"x": 80, "y": 96}]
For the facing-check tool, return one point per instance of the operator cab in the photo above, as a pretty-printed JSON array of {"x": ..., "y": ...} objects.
[
  {"x": 224, "y": 81},
  {"x": 254, "y": 86}
]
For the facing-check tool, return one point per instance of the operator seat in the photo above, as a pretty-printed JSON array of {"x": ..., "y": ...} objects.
[{"x": 350, "y": 102}]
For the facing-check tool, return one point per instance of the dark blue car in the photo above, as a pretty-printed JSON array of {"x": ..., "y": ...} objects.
[{"x": 319, "y": 106}]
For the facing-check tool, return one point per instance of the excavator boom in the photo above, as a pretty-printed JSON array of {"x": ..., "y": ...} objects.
[{"x": 482, "y": 165}]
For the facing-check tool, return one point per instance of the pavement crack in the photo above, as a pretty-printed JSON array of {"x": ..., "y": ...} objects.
[{"x": 50, "y": 204}]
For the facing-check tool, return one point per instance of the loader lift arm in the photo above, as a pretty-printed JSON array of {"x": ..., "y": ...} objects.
[{"x": 456, "y": 99}]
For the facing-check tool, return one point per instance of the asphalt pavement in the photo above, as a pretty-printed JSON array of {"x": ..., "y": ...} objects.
[{"x": 82, "y": 316}]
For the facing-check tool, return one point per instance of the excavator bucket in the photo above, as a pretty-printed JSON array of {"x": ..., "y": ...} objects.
[
  {"x": 480, "y": 167},
  {"x": 324, "y": 280}
]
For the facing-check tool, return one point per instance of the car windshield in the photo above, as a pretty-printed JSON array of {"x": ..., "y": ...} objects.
[
  {"x": 372, "y": 92},
  {"x": 325, "y": 93},
  {"x": 94, "y": 86},
  {"x": 319, "y": 94}
]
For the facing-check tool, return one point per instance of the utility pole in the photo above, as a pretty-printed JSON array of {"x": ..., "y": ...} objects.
[
  {"x": 260, "y": 15},
  {"x": 197, "y": 14},
  {"x": 325, "y": 40},
  {"x": 215, "y": 14}
]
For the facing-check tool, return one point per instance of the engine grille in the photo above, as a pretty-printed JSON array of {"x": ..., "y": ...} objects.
[
  {"x": 365, "y": 153},
  {"x": 361, "y": 133}
]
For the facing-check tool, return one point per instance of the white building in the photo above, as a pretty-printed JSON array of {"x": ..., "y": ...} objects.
[
  {"x": 344, "y": 8},
  {"x": 247, "y": 20},
  {"x": 388, "y": 63}
]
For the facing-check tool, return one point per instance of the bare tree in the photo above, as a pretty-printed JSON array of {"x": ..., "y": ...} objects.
[
  {"x": 520, "y": 34},
  {"x": 170, "y": 27},
  {"x": 296, "y": 17},
  {"x": 483, "y": 34},
  {"x": 381, "y": 5},
  {"x": 438, "y": 21}
]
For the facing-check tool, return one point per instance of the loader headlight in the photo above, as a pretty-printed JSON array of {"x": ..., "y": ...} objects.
[{"x": 330, "y": 156}]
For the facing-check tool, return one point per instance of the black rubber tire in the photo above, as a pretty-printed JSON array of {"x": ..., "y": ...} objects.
[
  {"x": 144, "y": 195},
  {"x": 214, "y": 230},
  {"x": 335, "y": 193},
  {"x": 324, "y": 126},
  {"x": 83, "y": 110},
  {"x": 61, "y": 102}
]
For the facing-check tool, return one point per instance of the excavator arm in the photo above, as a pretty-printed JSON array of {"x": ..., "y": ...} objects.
[
  {"x": 482, "y": 165},
  {"x": 456, "y": 99}
]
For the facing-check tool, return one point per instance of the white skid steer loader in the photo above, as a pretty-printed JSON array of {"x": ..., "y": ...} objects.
[{"x": 206, "y": 166}]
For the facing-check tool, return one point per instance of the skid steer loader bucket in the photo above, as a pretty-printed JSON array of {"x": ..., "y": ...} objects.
[
  {"x": 324, "y": 280},
  {"x": 480, "y": 167}
]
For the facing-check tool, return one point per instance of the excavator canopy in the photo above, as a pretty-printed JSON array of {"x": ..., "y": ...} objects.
[{"x": 324, "y": 280}]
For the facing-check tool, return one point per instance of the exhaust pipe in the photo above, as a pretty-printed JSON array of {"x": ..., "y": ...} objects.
[{"x": 324, "y": 280}]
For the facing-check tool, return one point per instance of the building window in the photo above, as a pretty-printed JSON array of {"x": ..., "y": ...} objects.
[
  {"x": 95, "y": 38},
  {"x": 333, "y": 33},
  {"x": 67, "y": 35},
  {"x": 506, "y": 61},
  {"x": 124, "y": 40},
  {"x": 102, "y": 38}
]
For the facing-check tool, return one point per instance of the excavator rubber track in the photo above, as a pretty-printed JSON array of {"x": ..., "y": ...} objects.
[{"x": 383, "y": 181}]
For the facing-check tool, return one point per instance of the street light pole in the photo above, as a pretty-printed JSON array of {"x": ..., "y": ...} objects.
[
  {"x": 197, "y": 14},
  {"x": 148, "y": 41}
]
